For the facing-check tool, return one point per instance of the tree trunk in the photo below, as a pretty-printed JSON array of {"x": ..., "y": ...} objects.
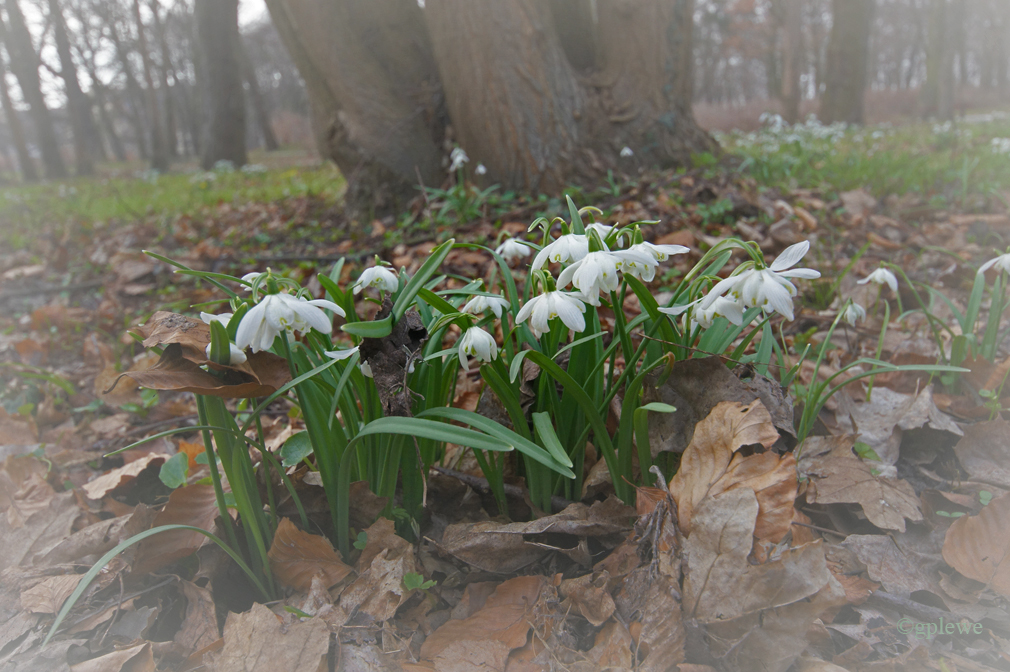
[
  {"x": 159, "y": 149},
  {"x": 792, "y": 59},
  {"x": 134, "y": 94},
  {"x": 531, "y": 93},
  {"x": 82, "y": 124},
  {"x": 223, "y": 97},
  {"x": 25, "y": 65},
  {"x": 256, "y": 99},
  {"x": 938, "y": 91},
  {"x": 28, "y": 172},
  {"x": 848, "y": 50},
  {"x": 171, "y": 132},
  {"x": 115, "y": 144}
]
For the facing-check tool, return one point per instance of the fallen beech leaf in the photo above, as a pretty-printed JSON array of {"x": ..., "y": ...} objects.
[
  {"x": 297, "y": 556},
  {"x": 193, "y": 505},
  {"x": 984, "y": 451},
  {"x": 378, "y": 590},
  {"x": 260, "y": 375},
  {"x": 979, "y": 546},
  {"x": 727, "y": 428},
  {"x": 612, "y": 647},
  {"x": 887, "y": 563},
  {"x": 39, "y": 533},
  {"x": 837, "y": 475},
  {"x": 106, "y": 483},
  {"x": 199, "y": 626},
  {"x": 589, "y": 597},
  {"x": 138, "y": 658},
  {"x": 773, "y": 479},
  {"x": 256, "y": 642},
  {"x": 48, "y": 596},
  {"x": 650, "y": 603}
]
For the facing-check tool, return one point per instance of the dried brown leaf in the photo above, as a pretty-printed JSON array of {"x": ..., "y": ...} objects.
[
  {"x": 588, "y": 596},
  {"x": 139, "y": 658},
  {"x": 48, "y": 596},
  {"x": 297, "y": 556},
  {"x": 979, "y": 546},
  {"x": 984, "y": 452},
  {"x": 109, "y": 481},
  {"x": 194, "y": 505},
  {"x": 256, "y": 642},
  {"x": 199, "y": 625}
]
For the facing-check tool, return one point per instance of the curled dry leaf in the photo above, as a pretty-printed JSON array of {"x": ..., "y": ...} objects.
[
  {"x": 261, "y": 375},
  {"x": 378, "y": 590},
  {"x": 729, "y": 427},
  {"x": 838, "y": 476},
  {"x": 256, "y": 642},
  {"x": 199, "y": 626},
  {"x": 297, "y": 556},
  {"x": 106, "y": 483},
  {"x": 589, "y": 597},
  {"x": 984, "y": 452},
  {"x": 979, "y": 546},
  {"x": 139, "y": 658},
  {"x": 193, "y": 505}
]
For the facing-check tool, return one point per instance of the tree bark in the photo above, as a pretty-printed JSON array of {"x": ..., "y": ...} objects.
[
  {"x": 82, "y": 124},
  {"x": 258, "y": 105},
  {"x": 28, "y": 172},
  {"x": 135, "y": 95},
  {"x": 792, "y": 59},
  {"x": 938, "y": 91},
  {"x": 223, "y": 97},
  {"x": 159, "y": 148},
  {"x": 848, "y": 49},
  {"x": 171, "y": 131},
  {"x": 25, "y": 65}
]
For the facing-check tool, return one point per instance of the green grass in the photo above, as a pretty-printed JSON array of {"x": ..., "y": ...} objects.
[{"x": 947, "y": 165}]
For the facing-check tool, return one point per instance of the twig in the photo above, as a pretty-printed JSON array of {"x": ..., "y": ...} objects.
[{"x": 820, "y": 529}]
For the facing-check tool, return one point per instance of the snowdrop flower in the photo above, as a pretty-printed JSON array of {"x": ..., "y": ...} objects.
[
  {"x": 458, "y": 157},
  {"x": 341, "y": 354},
  {"x": 366, "y": 370},
  {"x": 480, "y": 304},
  {"x": 601, "y": 229},
  {"x": 767, "y": 288},
  {"x": 475, "y": 342},
  {"x": 223, "y": 318},
  {"x": 660, "y": 252},
  {"x": 278, "y": 313},
  {"x": 853, "y": 313},
  {"x": 567, "y": 248},
  {"x": 378, "y": 277},
  {"x": 595, "y": 272},
  {"x": 481, "y": 169},
  {"x": 540, "y": 310},
  {"x": 627, "y": 152},
  {"x": 642, "y": 259},
  {"x": 513, "y": 248},
  {"x": 721, "y": 307},
  {"x": 881, "y": 277},
  {"x": 1002, "y": 263},
  {"x": 235, "y": 354}
]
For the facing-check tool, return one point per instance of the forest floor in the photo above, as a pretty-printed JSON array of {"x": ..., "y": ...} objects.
[{"x": 904, "y": 493}]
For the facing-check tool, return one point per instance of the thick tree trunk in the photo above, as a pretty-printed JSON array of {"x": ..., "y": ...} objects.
[
  {"x": 938, "y": 91},
  {"x": 25, "y": 65},
  {"x": 159, "y": 147},
  {"x": 171, "y": 131},
  {"x": 848, "y": 49},
  {"x": 82, "y": 124},
  {"x": 792, "y": 59},
  {"x": 28, "y": 172},
  {"x": 258, "y": 105},
  {"x": 223, "y": 97}
]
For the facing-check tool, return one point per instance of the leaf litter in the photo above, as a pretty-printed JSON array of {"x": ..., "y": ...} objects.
[{"x": 758, "y": 555}]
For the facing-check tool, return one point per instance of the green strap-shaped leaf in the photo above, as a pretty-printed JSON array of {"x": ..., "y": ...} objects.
[{"x": 428, "y": 268}]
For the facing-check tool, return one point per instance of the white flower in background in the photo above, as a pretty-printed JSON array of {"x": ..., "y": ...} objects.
[
  {"x": 476, "y": 342},
  {"x": 853, "y": 313},
  {"x": 564, "y": 249},
  {"x": 602, "y": 229},
  {"x": 480, "y": 304},
  {"x": 277, "y": 313},
  {"x": 1001, "y": 263},
  {"x": 540, "y": 310},
  {"x": 642, "y": 259},
  {"x": 481, "y": 169},
  {"x": 513, "y": 248},
  {"x": 366, "y": 370},
  {"x": 223, "y": 318},
  {"x": 235, "y": 354},
  {"x": 341, "y": 354},
  {"x": 420, "y": 3},
  {"x": 626, "y": 152},
  {"x": 593, "y": 273},
  {"x": 660, "y": 252},
  {"x": 767, "y": 288},
  {"x": 250, "y": 278},
  {"x": 457, "y": 157},
  {"x": 1001, "y": 145},
  {"x": 377, "y": 277},
  {"x": 881, "y": 276}
]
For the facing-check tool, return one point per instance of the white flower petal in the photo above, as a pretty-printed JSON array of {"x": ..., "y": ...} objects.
[{"x": 790, "y": 256}]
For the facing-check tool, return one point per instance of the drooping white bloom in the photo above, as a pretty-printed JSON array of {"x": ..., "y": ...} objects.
[
  {"x": 660, "y": 252},
  {"x": 457, "y": 157},
  {"x": 341, "y": 354},
  {"x": 480, "y": 304},
  {"x": 282, "y": 312},
  {"x": 475, "y": 342},
  {"x": 881, "y": 276},
  {"x": 540, "y": 310},
  {"x": 378, "y": 277},
  {"x": 626, "y": 152},
  {"x": 481, "y": 169},
  {"x": 223, "y": 318},
  {"x": 602, "y": 229},
  {"x": 721, "y": 307},
  {"x": 564, "y": 249},
  {"x": 642, "y": 259},
  {"x": 250, "y": 277},
  {"x": 1002, "y": 263},
  {"x": 767, "y": 288},
  {"x": 853, "y": 313},
  {"x": 513, "y": 248},
  {"x": 593, "y": 273},
  {"x": 235, "y": 354},
  {"x": 366, "y": 370}
]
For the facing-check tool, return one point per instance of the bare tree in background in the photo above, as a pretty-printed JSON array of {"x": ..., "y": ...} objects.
[
  {"x": 848, "y": 48},
  {"x": 938, "y": 91},
  {"x": 223, "y": 96},
  {"x": 25, "y": 66},
  {"x": 17, "y": 132},
  {"x": 159, "y": 148},
  {"x": 792, "y": 58},
  {"x": 259, "y": 106},
  {"x": 82, "y": 123}
]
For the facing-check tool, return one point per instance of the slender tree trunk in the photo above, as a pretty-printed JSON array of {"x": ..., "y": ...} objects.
[
  {"x": 25, "y": 65},
  {"x": 134, "y": 93},
  {"x": 171, "y": 132},
  {"x": 848, "y": 51},
  {"x": 115, "y": 144},
  {"x": 223, "y": 96},
  {"x": 28, "y": 172},
  {"x": 259, "y": 106},
  {"x": 938, "y": 92},
  {"x": 82, "y": 123},
  {"x": 792, "y": 59},
  {"x": 159, "y": 149}
]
